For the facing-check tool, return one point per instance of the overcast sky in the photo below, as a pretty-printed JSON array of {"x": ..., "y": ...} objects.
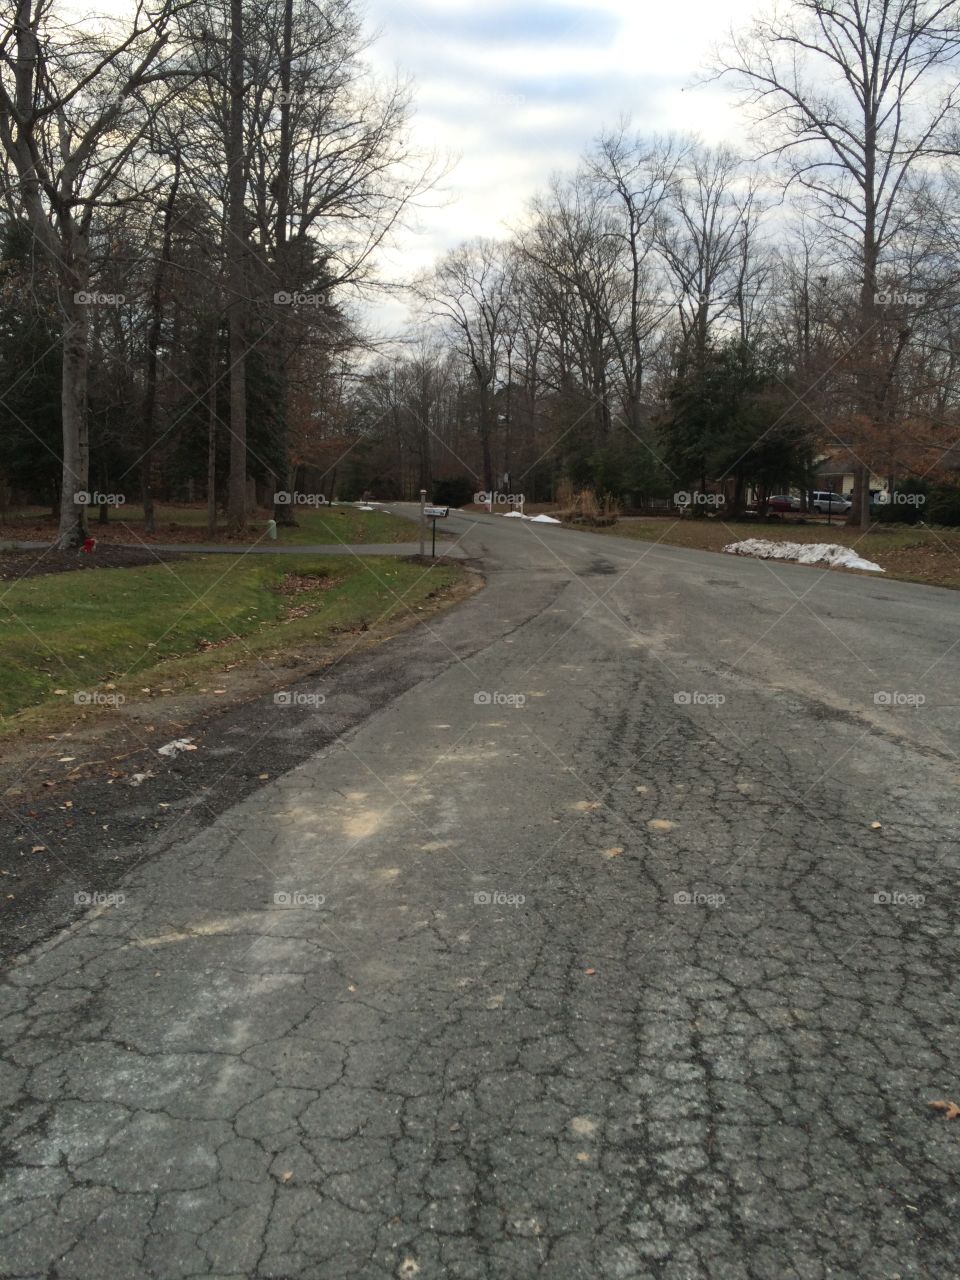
[{"x": 517, "y": 90}]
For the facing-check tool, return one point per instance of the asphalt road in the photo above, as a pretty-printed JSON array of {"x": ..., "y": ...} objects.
[{"x": 621, "y": 942}]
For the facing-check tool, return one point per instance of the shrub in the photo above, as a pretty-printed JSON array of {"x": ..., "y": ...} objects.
[
  {"x": 943, "y": 505},
  {"x": 456, "y": 491},
  {"x": 584, "y": 507},
  {"x": 902, "y": 510}
]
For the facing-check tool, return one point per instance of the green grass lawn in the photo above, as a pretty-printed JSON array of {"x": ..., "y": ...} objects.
[
  {"x": 77, "y": 631},
  {"x": 315, "y": 525},
  {"x": 347, "y": 524}
]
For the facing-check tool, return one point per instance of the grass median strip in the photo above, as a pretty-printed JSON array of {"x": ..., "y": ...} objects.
[
  {"x": 908, "y": 552},
  {"x": 322, "y": 525},
  {"x": 65, "y": 635}
]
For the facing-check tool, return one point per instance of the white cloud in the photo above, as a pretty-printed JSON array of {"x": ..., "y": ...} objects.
[{"x": 519, "y": 91}]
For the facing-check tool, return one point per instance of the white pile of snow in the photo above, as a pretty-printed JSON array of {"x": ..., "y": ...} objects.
[
  {"x": 518, "y": 515},
  {"x": 362, "y": 507},
  {"x": 828, "y": 553}
]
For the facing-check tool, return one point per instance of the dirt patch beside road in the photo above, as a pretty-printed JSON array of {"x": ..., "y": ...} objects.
[
  {"x": 81, "y": 808},
  {"x": 15, "y": 565}
]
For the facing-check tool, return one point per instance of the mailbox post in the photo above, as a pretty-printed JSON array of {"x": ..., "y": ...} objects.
[
  {"x": 423, "y": 527},
  {"x": 435, "y": 514}
]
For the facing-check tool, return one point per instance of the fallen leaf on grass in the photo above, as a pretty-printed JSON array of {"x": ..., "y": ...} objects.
[
  {"x": 950, "y": 1109},
  {"x": 615, "y": 852},
  {"x": 287, "y": 1177},
  {"x": 295, "y": 583},
  {"x": 39, "y": 848},
  {"x": 661, "y": 824}
]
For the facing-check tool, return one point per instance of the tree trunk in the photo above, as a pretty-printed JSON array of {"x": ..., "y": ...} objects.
[
  {"x": 508, "y": 424},
  {"x": 867, "y": 353},
  {"x": 153, "y": 346},
  {"x": 485, "y": 437},
  {"x": 212, "y": 433},
  {"x": 283, "y": 512},
  {"x": 237, "y": 283},
  {"x": 76, "y": 449},
  {"x": 860, "y": 511}
]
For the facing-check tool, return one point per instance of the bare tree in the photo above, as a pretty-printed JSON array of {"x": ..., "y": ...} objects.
[
  {"x": 321, "y": 148},
  {"x": 74, "y": 106},
  {"x": 468, "y": 292},
  {"x": 855, "y": 100},
  {"x": 638, "y": 176},
  {"x": 706, "y": 238},
  {"x": 574, "y": 244}
]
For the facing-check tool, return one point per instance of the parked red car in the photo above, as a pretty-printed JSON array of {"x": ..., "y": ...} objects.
[{"x": 783, "y": 502}]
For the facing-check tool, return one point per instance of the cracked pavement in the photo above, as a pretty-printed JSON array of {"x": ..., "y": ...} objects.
[{"x": 625, "y": 981}]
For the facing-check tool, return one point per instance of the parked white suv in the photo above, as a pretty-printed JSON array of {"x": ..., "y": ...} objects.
[{"x": 826, "y": 503}]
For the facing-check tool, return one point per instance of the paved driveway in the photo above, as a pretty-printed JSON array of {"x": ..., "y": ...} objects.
[{"x": 584, "y": 956}]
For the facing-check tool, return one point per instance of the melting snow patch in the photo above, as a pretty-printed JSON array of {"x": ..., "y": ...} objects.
[
  {"x": 518, "y": 515},
  {"x": 828, "y": 553},
  {"x": 362, "y": 507}
]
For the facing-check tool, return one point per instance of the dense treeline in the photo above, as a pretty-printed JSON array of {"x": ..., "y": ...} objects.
[
  {"x": 193, "y": 203},
  {"x": 673, "y": 316},
  {"x": 192, "y": 199},
  {"x": 659, "y": 323}
]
